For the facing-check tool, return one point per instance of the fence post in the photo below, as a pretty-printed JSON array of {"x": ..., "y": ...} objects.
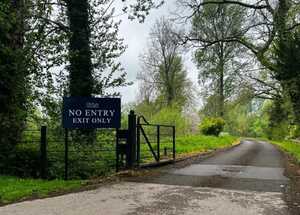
[
  {"x": 117, "y": 153},
  {"x": 43, "y": 151},
  {"x": 158, "y": 143},
  {"x": 174, "y": 146},
  {"x": 66, "y": 153},
  {"x": 131, "y": 154},
  {"x": 138, "y": 143}
]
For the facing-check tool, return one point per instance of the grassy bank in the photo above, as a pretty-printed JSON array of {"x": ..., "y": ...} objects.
[
  {"x": 290, "y": 147},
  {"x": 201, "y": 143},
  {"x": 13, "y": 188},
  {"x": 189, "y": 145}
]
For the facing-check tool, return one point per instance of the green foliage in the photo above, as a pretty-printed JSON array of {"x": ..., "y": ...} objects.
[
  {"x": 218, "y": 62},
  {"x": 287, "y": 53},
  {"x": 13, "y": 188},
  {"x": 294, "y": 131},
  {"x": 27, "y": 161},
  {"x": 290, "y": 147},
  {"x": 190, "y": 144},
  {"x": 199, "y": 143},
  {"x": 212, "y": 126},
  {"x": 173, "y": 85},
  {"x": 14, "y": 88},
  {"x": 164, "y": 79},
  {"x": 85, "y": 160},
  {"x": 172, "y": 116},
  {"x": 278, "y": 123}
]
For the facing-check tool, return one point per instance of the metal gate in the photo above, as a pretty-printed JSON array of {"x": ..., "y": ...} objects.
[
  {"x": 155, "y": 142},
  {"x": 144, "y": 143}
]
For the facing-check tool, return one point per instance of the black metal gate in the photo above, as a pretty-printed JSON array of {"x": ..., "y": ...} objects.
[
  {"x": 144, "y": 143},
  {"x": 155, "y": 142}
]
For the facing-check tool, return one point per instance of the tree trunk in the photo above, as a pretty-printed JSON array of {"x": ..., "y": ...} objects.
[
  {"x": 81, "y": 77},
  {"x": 221, "y": 82},
  {"x": 81, "y": 80},
  {"x": 221, "y": 92}
]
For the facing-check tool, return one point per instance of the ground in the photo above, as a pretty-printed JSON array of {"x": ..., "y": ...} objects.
[{"x": 247, "y": 179}]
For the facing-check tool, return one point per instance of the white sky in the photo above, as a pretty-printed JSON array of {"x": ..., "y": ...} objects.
[{"x": 135, "y": 37}]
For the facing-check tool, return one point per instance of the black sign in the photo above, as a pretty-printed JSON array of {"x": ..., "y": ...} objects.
[{"x": 89, "y": 112}]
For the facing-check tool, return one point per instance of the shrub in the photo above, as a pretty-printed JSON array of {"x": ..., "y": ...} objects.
[
  {"x": 27, "y": 161},
  {"x": 212, "y": 126}
]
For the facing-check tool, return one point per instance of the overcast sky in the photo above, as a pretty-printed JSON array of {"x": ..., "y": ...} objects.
[{"x": 135, "y": 37}]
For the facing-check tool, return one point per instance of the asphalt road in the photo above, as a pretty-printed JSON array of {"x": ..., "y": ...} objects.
[
  {"x": 254, "y": 166},
  {"x": 246, "y": 180}
]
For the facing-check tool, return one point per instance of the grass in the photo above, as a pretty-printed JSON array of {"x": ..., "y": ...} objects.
[
  {"x": 13, "y": 188},
  {"x": 189, "y": 145},
  {"x": 201, "y": 143},
  {"x": 290, "y": 147}
]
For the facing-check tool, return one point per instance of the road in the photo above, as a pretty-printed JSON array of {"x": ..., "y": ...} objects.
[{"x": 245, "y": 180}]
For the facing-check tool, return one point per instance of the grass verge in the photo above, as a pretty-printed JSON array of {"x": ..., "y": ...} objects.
[
  {"x": 290, "y": 147},
  {"x": 189, "y": 145},
  {"x": 13, "y": 188},
  {"x": 200, "y": 143}
]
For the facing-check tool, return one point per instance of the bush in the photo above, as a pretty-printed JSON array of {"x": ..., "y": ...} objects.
[
  {"x": 27, "y": 161},
  {"x": 212, "y": 126}
]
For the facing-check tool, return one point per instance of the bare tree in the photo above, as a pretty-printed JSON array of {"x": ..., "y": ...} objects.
[{"x": 162, "y": 70}]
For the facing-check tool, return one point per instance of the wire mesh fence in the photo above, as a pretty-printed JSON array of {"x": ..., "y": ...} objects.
[
  {"x": 85, "y": 159},
  {"x": 74, "y": 153}
]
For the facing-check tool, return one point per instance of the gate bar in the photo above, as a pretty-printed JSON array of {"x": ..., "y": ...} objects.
[{"x": 148, "y": 142}]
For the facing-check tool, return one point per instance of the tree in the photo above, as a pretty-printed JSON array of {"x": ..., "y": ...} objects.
[
  {"x": 218, "y": 64},
  {"x": 13, "y": 77},
  {"x": 266, "y": 22},
  {"x": 162, "y": 70},
  {"x": 81, "y": 79},
  {"x": 91, "y": 36},
  {"x": 287, "y": 52}
]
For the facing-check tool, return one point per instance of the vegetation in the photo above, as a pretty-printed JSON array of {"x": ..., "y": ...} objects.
[
  {"x": 189, "y": 145},
  {"x": 212, "y": 126},
  {"x": 201, "y": 143},
  {"x": 36, "y": 71},
  {"x": 13, "y": 188},
  {"x": 219, "y": 65},
  {"x": 164, "y": 79},
  {"x": 290, "y": 147},
  {"x": 13, "y": 77}
]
